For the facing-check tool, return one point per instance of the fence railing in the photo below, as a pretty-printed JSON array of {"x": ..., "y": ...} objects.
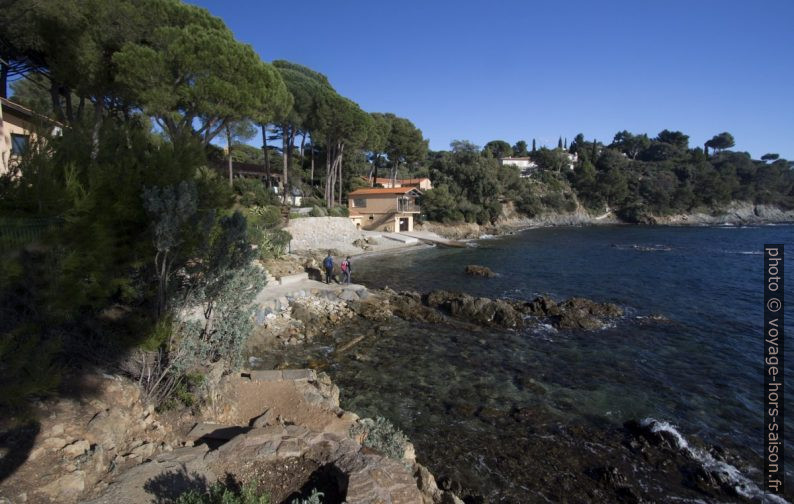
[{"x": 18, "y": 232}]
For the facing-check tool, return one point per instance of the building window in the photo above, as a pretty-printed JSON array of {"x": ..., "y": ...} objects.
[
  {"x": 19, "y": 144},
  {"x": 359, "y": 203}
]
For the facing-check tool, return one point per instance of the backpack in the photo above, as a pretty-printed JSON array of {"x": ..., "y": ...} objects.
[
  {"x": 345, "y": 265},
  {"x": 328, "y": 263}
]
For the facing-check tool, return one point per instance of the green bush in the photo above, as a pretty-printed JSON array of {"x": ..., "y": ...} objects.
[
  {"x": 316, "y": 497},
  {"x": 309, "y": 201},
  {"x": 265, "y": 216},
  {"x": 339, "y": 211},
  {"x": 318, "y": 212},
  {"x": 220, "y": 494},
  {"x": 381, "y": 435},
  {"x": 274, "y": 243},
  {"x": 252, "y": 192}
]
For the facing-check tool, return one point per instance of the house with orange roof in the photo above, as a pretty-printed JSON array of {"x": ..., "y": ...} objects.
[{"x": 390, "y": 209}]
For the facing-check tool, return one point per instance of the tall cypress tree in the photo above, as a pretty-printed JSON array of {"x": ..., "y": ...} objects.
[
  {"x": 533, "y": 145},
  {"x": 559, "y": 143},
  {"x": 565, "y": 146}
]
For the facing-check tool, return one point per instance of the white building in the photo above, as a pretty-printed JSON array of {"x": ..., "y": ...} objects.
[{"x": 525, "y": 164}]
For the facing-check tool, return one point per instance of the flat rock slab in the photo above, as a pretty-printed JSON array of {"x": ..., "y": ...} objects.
[
  {"x": 401, "y": 238},
  {"x": 292, "y": 279},
  {"x": 272, "y": 375}
]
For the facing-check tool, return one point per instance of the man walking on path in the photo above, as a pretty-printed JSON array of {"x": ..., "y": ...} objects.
[
  {"x": 328, "y": 263},
  {"x": 346, "y": 269}
]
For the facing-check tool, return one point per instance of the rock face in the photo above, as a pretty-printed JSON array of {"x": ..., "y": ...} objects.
[
  {"x": 482, "y": 271},
  {"x": 274, "y": 437}
]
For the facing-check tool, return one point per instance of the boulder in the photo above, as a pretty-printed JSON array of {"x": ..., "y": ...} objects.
[
  {"x": 76, "y": 449},
  {"x": 66, "y": 487}
]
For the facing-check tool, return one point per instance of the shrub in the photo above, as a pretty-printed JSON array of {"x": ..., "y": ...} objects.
[
  {"x": 310, "y": 201},
  {"x": 381, "y": 435},
  {"x": 265, "y": 216},
  {"x": 252, "y": 192},
  {"x": 339, "y": 211},
  {"x": 220, "y": 494},
  {"x": 315, "y": 497},
  {"x": 274, "y": 243},
  {"x": 318, "y": 212}
]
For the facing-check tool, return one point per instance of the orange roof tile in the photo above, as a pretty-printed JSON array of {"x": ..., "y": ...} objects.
[{"x": 381, "y": 190}]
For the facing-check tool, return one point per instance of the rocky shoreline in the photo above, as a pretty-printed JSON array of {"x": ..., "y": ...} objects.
[
  {"x": 734, "y": 214},
  {"x": 639, "y": 452}
]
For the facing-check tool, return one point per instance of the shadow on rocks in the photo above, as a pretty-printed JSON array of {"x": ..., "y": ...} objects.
[
  {"x": 15, "y": 446},
  {"x": 167, "y": 487},
  {"x": 328, "y": 479}
]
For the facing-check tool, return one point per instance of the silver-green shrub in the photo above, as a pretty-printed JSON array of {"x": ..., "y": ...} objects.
[{"x": 381, "y": 435}]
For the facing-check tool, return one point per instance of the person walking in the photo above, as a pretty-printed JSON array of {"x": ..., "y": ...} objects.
[
  {"x": 346, "y": 269},
  {"x": 328, "y": 263}
]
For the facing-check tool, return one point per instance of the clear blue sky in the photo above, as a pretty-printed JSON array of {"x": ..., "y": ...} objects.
[{"x": 520, "y": 70}]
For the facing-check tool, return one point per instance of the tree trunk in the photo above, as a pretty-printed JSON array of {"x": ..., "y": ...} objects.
[
  {"x": 327, "y": 169},
  {"x": 303, "y": 143},
  {"x": 229, "y": 155},
  {"x": 264, "y": 154},
  {"x": 341, "y": 154},
  {"x": 55, "y": 96},
  {"x": 99, "y": 109},
  {"x": 285, "y": 159},
  {"x": 311, "y": 179},
  {"x": 80, "y": 107},
  {"x": 69, "y": 108}
]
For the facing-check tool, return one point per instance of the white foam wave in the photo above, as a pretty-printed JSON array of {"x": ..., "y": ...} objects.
[
  {"x": 725, "y": 471},
  {"x": 745, "y": 252}
]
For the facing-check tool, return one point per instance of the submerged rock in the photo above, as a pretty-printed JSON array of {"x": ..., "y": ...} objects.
[{"x": 483, "y": 271}]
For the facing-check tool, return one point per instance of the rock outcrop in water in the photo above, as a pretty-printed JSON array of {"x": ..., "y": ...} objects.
[
  {"x": 439, "y": 305},
  {"x": 483, "y": 271}
]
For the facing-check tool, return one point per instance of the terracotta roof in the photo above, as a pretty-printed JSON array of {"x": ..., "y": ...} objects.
[
  {"x": 381, "y": 190},
  {"x": 24, "y": 111}
]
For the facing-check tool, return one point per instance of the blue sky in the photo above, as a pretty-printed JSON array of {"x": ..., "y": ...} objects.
[{"x": 520, "y": 70}]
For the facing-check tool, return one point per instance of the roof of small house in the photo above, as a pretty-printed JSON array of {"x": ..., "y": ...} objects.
[
  {"x": 25, "y": 112},
  {"x": 372, "y": 191}
]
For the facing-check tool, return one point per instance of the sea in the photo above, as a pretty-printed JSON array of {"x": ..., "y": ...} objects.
[{"x": 686, "y": 357}]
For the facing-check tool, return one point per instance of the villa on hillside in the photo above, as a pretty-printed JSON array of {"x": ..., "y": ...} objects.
[
  {"x": 384, "y": 208},
  {"x": 250, "y": 170},
  {"x": 527, "y": 166},
  {"x": 18, "y": 126},
  {"x": 422, "y": 183}
]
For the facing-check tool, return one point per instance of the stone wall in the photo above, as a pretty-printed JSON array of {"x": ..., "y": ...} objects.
[{"x": 319, "y": 233}]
